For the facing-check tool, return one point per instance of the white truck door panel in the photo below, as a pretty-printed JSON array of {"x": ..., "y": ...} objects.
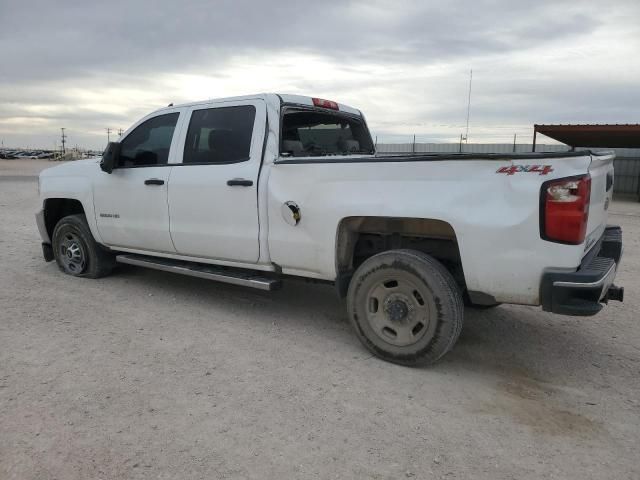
[
  {"x": 131, "y": 203},
  {"x": 131, "y": 214},
  {"x": 213, "y": 199}
]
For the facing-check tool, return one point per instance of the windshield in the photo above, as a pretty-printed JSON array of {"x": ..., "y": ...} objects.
[{"x": 308, "y": 133}]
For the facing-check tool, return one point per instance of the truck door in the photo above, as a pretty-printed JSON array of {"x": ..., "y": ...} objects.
[
  {"x": 131, "y": 202},
  {"x": 213, "y": 194}
]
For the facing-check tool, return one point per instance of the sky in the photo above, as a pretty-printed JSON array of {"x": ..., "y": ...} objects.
[{"x": 88, "y": 65}]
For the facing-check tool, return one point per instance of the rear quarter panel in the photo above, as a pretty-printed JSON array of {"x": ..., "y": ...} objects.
[{"x": 495, "y": 216}]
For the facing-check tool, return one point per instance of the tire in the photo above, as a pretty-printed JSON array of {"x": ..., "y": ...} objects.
[
  {"x": 76, "y": 252},
  {"x": 405, "y": 307}
]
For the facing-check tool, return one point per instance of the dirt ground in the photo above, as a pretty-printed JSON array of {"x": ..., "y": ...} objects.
[{"x": 147, "y": 374}]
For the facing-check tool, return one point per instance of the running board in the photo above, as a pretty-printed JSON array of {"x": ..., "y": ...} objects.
[{"x": 247, "y": 278}]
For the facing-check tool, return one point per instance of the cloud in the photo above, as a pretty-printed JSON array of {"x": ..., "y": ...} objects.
[{"x": 87, "y": 66}]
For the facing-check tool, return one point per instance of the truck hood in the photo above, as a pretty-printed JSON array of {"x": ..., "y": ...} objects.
[{"x": 76, "y": 167}]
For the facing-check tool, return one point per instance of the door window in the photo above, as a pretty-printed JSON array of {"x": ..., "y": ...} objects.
[
  {"x": 149, "y": 143},
  {"x": 219, "y": 135}
]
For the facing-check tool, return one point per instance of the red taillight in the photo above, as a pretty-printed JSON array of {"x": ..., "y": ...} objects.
[
  {"x": 320, "y": 102},
  {"x": 564, "y": 209}
]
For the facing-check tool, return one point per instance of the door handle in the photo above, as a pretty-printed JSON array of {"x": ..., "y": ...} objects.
[
  {"x": 239, "y": 182},
  {"x": 153, "y": 181}
]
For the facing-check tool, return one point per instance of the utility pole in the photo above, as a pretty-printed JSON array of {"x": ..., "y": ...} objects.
[
  {"x": 64, "y": 138},
  {"x": 120, "y": 132},
  {"x": 108, "y": 134},
  {"x": 514, "y": 142}
]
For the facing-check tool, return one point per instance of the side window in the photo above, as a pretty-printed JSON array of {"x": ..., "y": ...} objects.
[
  {"x": 149, "y": 143},
  {"x": 219, "y": 135}
]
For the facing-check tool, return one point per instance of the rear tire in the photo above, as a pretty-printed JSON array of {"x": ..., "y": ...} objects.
[
  {"x": 76, "y": 252},
  {"x": 405, "y": 307}
]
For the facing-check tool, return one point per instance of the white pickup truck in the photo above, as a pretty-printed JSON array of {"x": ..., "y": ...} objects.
[{"x": 252, "y": 190}]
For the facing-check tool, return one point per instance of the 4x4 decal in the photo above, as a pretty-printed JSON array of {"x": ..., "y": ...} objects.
[{"x": 541, "y": 169}]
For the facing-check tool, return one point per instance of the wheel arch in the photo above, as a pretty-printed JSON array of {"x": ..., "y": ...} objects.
[
  {"x": 360, "y": 237},
  {"x": 57, "y": 208}
]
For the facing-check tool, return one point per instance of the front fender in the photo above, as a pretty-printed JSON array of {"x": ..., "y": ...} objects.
[{"x": 73, "y": 188}]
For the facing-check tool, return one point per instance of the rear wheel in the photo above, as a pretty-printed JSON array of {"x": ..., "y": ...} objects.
[
  {"x": 405, "y": 307},
  {"x": 76, "y": 252}
]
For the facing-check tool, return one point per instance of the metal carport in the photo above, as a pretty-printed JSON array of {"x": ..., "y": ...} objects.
[
  {"x": 617, "y": 136},
  {"x": 609, "y": 136}
]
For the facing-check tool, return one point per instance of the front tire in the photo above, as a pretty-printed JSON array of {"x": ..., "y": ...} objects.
[
  {"x": 405, "y": 307},
  {"x": 75, "y": 250}
]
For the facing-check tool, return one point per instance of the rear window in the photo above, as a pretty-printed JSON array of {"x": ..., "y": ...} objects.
[{"x": 314, "y": 133}]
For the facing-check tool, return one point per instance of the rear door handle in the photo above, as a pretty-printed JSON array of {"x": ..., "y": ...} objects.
[
  {"x": 239, "y": 182},
  {"x": 153, "y": 181}
]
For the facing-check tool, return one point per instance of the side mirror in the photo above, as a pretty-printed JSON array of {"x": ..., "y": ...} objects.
[{"x": 110, "y": 157}]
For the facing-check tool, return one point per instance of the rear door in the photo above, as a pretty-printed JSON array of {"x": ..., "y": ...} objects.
[{"x": 213, "y": 193}]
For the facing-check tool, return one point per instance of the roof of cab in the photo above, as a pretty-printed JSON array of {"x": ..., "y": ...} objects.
[{"x": 274, "y": 98}]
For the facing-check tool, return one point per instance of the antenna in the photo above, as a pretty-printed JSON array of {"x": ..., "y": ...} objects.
[{"x": 466, "y": 134}]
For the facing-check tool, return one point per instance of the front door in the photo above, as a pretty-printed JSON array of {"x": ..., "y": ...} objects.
[
  {"x": 213, "y": 195},
  {"x": 131, "y": 202}
]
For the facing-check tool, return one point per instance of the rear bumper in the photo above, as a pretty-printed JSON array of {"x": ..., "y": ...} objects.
[{"x": 584, "y": 291}]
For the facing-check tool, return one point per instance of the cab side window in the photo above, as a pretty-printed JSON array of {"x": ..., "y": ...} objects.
[
  {"x": 219, "y": 135},
  {"x": 149, "y": 143}
]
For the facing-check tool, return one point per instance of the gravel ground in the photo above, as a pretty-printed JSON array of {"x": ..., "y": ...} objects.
[{"x": 147, "y": 374}]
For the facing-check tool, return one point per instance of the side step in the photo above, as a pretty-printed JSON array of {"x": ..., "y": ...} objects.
[{"x": 247, "y": 278}]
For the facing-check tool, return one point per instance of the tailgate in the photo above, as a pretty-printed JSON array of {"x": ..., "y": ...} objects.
[{"x": 601, "y": 171}]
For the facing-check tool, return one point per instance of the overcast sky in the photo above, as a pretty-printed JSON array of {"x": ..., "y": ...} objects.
[{"x": 90, "y": 65}]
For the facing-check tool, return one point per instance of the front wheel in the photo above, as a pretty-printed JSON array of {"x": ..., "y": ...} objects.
[
  {"x": 405, "y": 307},
  {"x": 75, "y": 250}
]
